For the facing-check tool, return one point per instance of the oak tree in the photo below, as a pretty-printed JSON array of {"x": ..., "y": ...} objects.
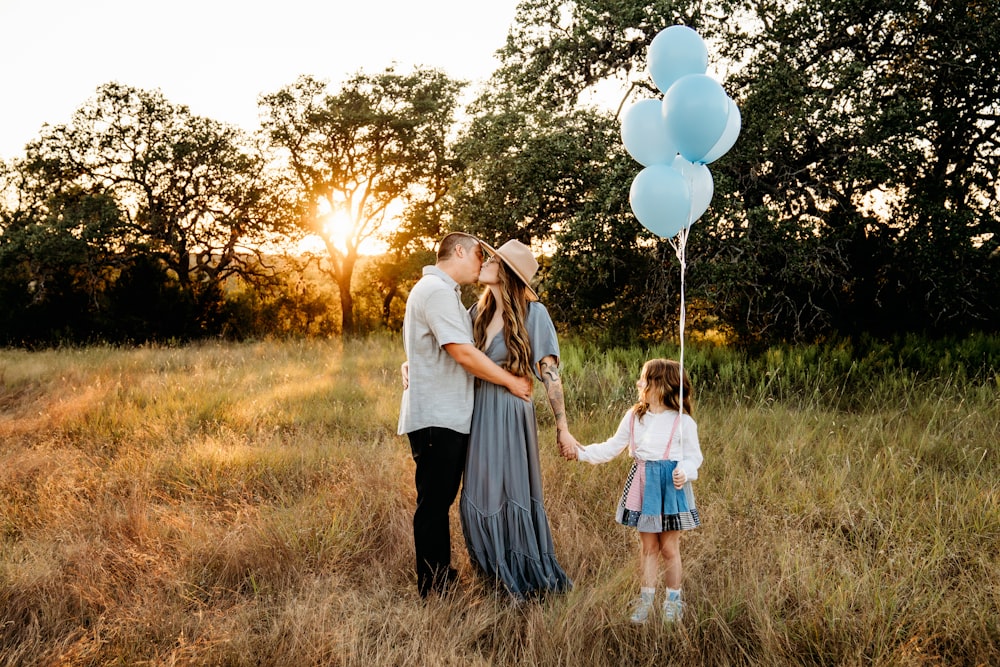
[{"x": 362, "y": 155}]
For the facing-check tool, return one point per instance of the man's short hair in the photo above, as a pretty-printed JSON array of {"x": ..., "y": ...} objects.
[{"x": 452, "y": 239}]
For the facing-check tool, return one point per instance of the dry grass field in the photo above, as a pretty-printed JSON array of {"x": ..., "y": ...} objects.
[{"x": 250, "y": 504}]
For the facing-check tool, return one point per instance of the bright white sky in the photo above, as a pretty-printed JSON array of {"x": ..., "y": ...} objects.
[{"x": 218, "y": 56}]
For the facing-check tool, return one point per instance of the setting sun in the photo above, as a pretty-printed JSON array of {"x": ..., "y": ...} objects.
[{"x": 338, "y": 227}]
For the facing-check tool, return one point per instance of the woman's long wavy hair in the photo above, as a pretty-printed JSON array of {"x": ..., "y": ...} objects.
[
  {"x": 663, "y": 376},
  {"x": 514, "y": 297}
]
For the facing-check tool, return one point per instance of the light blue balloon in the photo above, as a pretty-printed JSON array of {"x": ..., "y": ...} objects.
[
  {"x": 660, "y": 200},
  {"x": 728, "y": 138},
  {"x": 644, "y": 133},
  {"x": 675, "y": 52},
  {"x": 696, "y": 109},
  {"x": 700, "y": 184}
]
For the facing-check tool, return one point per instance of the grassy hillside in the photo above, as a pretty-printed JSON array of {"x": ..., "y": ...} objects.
[{"x": 250, "y": 505}]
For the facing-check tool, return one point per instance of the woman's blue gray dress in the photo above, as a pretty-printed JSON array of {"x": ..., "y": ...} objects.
[{"x": 503, "y": 516}]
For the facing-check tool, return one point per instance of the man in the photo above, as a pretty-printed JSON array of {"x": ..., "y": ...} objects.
[{"x": 436, "y": 410}]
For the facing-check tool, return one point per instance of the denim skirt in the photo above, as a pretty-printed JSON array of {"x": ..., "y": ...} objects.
[{"x": 651, "y": 504}]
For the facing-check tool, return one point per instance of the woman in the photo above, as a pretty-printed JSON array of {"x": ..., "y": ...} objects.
[{"x": 503, "y": 516}]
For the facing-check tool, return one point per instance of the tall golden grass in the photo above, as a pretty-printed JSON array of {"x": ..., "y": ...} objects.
[{"x": 250, "y": 504}]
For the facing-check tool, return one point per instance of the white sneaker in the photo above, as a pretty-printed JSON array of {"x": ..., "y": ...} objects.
[
  {"x": 673, "y": 608},
  {"x": 641, "y": 608}
]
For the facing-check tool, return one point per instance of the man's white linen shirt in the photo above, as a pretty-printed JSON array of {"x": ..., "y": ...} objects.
[{"x": 440, "y": 391}]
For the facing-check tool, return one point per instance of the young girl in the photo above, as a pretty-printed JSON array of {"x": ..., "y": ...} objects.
[{"x": 663, "y": 440}]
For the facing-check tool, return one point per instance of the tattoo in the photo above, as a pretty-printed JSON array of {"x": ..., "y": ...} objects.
[
  {"x": 550, "y": 373},
  {"x": 553, "y": 386}
]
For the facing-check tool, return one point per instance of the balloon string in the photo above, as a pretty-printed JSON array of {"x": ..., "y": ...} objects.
[
  {"x": 682, "y": 258},
  {"x": 680, "y": 248}
]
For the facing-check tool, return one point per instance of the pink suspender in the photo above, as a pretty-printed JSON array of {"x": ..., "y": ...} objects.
[{"x": 631, "y": 435}]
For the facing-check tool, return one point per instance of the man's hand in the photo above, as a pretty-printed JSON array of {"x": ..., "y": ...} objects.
[
  {"x": 405, "y": 372},
  {"x": 522, "y": 387}
]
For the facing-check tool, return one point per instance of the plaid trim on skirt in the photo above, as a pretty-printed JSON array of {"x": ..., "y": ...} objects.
[{"x": 651, "y": 504}]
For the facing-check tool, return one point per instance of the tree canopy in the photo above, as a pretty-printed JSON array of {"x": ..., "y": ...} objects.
[
  {"x": 182, "y": 201},
  {"x": 861, "y": 195}
]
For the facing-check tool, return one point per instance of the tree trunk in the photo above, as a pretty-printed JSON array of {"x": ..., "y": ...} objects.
[
  {"x": 387, "y": 305},
  {"x": 346, "y": 306}
]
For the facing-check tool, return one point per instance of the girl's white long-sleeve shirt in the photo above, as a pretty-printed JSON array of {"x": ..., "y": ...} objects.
[{"x": 651, "y": 433}]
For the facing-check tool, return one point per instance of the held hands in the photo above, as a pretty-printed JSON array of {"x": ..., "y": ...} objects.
[
  {"x": 568, "y": 445},
  {"x": 405, "y": 372},
  {"x": 679, "y": 478}
]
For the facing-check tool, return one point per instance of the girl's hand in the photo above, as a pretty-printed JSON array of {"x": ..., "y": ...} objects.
[{"x": 679, "y": 478}]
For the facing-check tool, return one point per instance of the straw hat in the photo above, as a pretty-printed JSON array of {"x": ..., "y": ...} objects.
[{"x": 518, "y": 259}]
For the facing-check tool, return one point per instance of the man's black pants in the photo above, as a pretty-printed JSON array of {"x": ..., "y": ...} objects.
[{"x": 440, "y": 457}]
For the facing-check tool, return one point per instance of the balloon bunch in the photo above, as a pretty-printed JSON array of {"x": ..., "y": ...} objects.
[{"x": 694, "y": 124}]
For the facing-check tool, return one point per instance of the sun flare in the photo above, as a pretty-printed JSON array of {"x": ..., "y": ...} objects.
[{"x": 338, "y": 227}]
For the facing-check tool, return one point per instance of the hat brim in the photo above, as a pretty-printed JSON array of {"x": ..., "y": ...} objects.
[{"x": 532, "y": 294}]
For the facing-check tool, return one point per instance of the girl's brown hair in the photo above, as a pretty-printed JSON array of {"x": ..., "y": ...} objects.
[
  {"x": 663, "y": 376},
  {"x": 514, "y": 308}
]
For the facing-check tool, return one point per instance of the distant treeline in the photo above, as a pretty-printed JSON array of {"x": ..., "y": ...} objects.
[{"x": 860, "y": 199}]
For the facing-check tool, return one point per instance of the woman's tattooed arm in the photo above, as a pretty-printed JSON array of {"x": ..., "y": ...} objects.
[{"x": 549, "y": 371}]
